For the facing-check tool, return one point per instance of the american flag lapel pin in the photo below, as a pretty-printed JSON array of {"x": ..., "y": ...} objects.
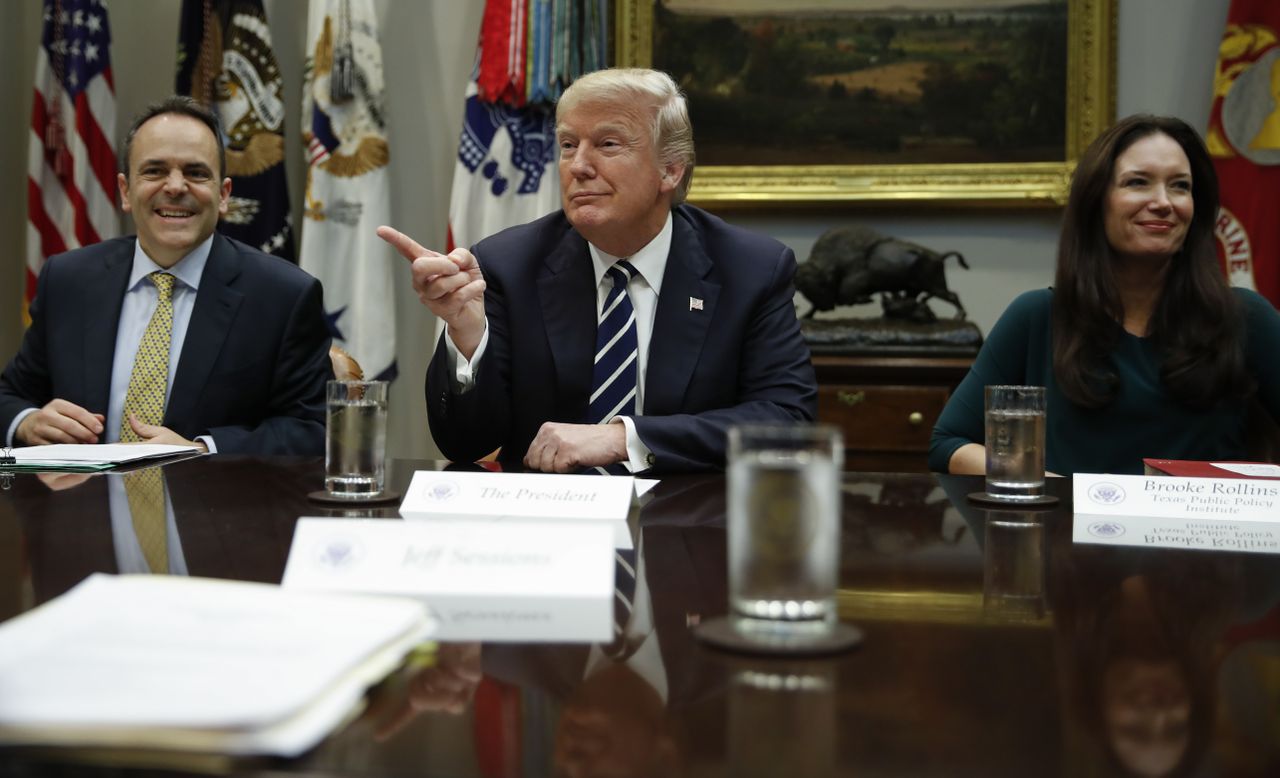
[{"x": 695, "y": 303}]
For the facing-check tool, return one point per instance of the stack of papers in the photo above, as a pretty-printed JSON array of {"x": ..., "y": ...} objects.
[
  {"x": 1197, "y": 469},
  {"x": 88, "y": 458},
  {"x": 196, "y": 664}
]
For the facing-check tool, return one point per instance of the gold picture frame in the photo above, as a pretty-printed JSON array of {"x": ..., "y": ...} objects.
[{"x": 1090, "y": 108}]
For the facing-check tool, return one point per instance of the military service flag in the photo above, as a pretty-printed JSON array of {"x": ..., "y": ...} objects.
[
  {"x": 225, "y": 61},
  {"x": 348, "y": 191},
  {"x": 505, "y": 173},
  {"x": 529, "y": 51},
  {"x": 1244, "y": 139}
]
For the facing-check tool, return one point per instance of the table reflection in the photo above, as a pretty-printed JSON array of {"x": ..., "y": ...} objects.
[
  {"x": 782, "y": 718},
  {"x": 234, "y": 523},
  {"x": 994, "y": 645},
  {"x": 623, "y": 715},
  {"x": 1142, "y": 637},
  {"x": 442, "y": 679}
]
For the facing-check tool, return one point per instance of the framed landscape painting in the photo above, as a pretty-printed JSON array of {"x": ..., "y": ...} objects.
[{"x": 960, "y": 102}]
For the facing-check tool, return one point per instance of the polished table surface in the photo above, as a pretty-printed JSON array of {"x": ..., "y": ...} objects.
[{"x": 1084, "y": 660}]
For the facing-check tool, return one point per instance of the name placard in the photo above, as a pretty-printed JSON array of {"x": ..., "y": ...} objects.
[
  {"x": 434, "y": 494},
  {"x": 481, "y": 581},
  {"x": 1172, "y": 512}
]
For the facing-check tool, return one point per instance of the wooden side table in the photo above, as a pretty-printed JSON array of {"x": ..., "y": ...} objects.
[{"x": 886, "y": 406}]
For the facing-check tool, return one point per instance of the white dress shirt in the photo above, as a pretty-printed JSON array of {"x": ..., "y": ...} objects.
[{"x": 650, "y": 263}]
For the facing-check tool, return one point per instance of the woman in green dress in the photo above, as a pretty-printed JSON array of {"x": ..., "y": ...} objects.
[{"x": 1143, "y": 348}]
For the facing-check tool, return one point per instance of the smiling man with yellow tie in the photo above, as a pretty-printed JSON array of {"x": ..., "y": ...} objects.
[{"x": 180, "y": 335}]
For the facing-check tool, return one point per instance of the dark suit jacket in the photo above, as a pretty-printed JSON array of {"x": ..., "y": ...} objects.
[
  {"x": 740, "y": 358},
  {"x": 253, "y": 365}
]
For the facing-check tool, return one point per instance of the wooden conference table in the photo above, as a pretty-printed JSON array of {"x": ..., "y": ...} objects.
[{"x": 1086, "y": 660}]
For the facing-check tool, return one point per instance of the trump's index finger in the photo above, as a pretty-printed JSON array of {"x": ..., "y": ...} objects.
[{"x": 409, "y": 248}]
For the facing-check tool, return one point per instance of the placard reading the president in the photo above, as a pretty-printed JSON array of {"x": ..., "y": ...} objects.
[
  {"x": 481, "y": 581},
  {"x": 435, "y": 494},
  {"x": 1220, "y": 514}
]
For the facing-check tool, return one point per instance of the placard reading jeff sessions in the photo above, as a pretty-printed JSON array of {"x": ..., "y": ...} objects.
[{"x": 524, "y": 582}]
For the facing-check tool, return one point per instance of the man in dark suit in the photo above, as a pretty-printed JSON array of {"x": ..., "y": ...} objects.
[
  {"x": 715, "y": 341},
  {"x": 242, "y": 354}
]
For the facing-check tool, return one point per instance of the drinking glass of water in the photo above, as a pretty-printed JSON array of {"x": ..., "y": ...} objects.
[
  {"x": 355, "y": 442},
  {"x": 784, "y": 529},
  {"x": 1015, "y": 417}
]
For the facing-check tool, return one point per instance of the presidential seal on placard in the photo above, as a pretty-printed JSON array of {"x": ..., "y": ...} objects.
[
  {"x": 1106, "y": 493},
  {"x": 339, "y": 553},
  {"x": 441, "y": 491},
  {"x": 1106, "y": 529}
]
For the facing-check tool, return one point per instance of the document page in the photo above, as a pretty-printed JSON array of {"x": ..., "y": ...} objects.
[
  {"x": 1257, "y": 470},
  {"x": 91, "y": 456},
  {"x": 163, "y": 662}
]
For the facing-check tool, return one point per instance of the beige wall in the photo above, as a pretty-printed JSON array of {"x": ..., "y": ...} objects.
[{"x": 1166, "y": 51}]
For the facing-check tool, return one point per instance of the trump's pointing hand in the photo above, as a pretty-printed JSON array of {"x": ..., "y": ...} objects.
[{"x": 451, "y": 286}]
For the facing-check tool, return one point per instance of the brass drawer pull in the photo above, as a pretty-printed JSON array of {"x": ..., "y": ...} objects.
[
  {"x": 915, "y": 419},
  {"x": 851, "y": 398}
]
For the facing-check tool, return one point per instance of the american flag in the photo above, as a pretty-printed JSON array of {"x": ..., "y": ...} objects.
[{"x": 71, "y": 166}]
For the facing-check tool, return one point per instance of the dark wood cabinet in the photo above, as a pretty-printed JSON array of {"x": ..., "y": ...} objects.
[{"x": 886, "y": 406}]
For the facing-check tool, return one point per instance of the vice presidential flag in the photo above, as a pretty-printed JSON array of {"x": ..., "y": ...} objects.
[
  {"x": 225, "y": 61},
  {"x": 348, "y": 194},
  {"x": 1244, "y": 140},
  {"x": 71, "y": 163}
]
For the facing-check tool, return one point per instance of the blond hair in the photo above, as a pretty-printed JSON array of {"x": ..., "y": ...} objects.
[{"x": 671, "y": 132}]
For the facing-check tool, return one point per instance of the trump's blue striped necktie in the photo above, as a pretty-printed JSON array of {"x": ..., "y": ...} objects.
[
  {"x": 624, "y": 594},
  {"x": 613, "y": 382}
]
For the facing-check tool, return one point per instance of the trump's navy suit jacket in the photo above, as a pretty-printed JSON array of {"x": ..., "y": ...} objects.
[
  {"x": 253, "y": 364},
  {"x": 726, "y": 346}
]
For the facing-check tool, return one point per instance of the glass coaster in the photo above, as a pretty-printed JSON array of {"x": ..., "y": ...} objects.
[
  {"x": 721, "y": 633},
  {"x": 1043, "y": 501},
  {"x": 374, "y": 498}
]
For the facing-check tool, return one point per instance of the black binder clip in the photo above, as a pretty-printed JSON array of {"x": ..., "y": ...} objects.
[{"x": 6, "y": 477}]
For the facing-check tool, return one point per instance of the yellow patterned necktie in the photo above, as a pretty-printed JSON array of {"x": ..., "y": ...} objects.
[
  {"x": 145, "y": 397},
  {"x": 145, "y": 490}
]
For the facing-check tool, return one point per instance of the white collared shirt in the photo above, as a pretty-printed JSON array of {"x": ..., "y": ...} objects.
[{"x": 651, "y": 263}]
